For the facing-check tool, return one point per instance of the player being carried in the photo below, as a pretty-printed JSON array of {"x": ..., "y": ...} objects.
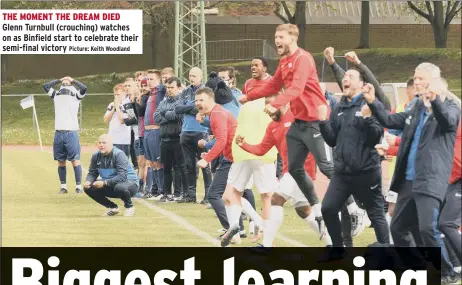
[
  {"x": 288, "y": 190},
  {"x": 297, "y": 71},
  {"x": 66, "y": 145}
]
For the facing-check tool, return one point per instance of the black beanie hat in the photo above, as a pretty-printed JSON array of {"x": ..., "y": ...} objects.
[{"x": 223, "y": 93}]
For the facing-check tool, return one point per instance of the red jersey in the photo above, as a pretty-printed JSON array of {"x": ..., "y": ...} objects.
[
  {"x": 456, "y": 173},
  {"x": 223, "y": 126},
  {"x": 252, "y": 82},
  {"x": 276, "y": 136},
  {"x": 297, "y": 72}
]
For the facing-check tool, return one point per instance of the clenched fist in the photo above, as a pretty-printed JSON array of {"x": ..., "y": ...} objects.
[
  {"x": 365, "y": 111},
  {"x": 369, "y": 93},
  {"x": 352, "y": 57},
  {"x": 329, "y": 55},
  {"x": 242, "y": 99},
  {"x": 239, "y": 140},
  {"x": 200, "y": 118}
]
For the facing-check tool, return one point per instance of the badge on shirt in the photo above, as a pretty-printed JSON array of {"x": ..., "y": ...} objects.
[
  {"x": 408, "y": 120},
  {"x": 358, "y": 114},
  {"x": 288, "y": 124}
]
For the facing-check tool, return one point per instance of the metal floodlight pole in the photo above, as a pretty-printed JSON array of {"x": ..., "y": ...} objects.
[
  {"x": 190, "y": 45},
  {"x": 203, "y": 42}
]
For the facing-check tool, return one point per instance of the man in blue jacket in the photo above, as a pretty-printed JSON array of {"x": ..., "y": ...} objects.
[
  {"x": 191, "y": 133},
  {"x": 424, "y": 162},
  {"x": 118, "y": 179}
]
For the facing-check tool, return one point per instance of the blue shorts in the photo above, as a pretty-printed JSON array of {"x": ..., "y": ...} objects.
[
  {"x": 152, "y": 145},
  {"x": 139, "y": 148},
  {"x": 66, "y": 146}
]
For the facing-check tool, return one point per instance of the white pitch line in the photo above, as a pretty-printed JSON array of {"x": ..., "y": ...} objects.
[
  {"x": 290, "y": 241},
  {"x": 181, "y": 221}
]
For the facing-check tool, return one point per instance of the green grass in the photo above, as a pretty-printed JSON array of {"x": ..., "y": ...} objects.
[
  {"x": 389, "y": 65},
  {"x": 33, "y": 214}
]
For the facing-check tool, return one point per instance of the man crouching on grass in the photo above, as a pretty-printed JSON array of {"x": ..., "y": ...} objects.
[{"x": 118, "y": 179}]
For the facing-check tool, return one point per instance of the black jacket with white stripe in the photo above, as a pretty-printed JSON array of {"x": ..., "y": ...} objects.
[{"x": 353, "y": 137}]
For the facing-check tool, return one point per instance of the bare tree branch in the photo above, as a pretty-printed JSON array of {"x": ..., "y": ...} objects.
[
  {"x": 448, "y": 6},
  {"x": 286, "y": 9},
  {"x": 451, "y": 14},
  {"x": 418, "y": 11},
  {"x": 429, "y": 8},
  {"x": 280, "y": 16}
]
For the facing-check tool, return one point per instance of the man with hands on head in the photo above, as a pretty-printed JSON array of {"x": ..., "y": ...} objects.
[
  {"x": 118, "y": 179},
  {"x": 424, "y": 162},
  {"x": 66, "y": 145}
]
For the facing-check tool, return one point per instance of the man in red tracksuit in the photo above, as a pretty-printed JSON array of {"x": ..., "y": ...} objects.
[
  {"x": 223, "y": 126},
  {"x": 288, "y": 190},
  {"x": 297, "y": 72}
]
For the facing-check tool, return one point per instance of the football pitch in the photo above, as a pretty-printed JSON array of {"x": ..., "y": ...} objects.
[{"x": 34, "y": 215}]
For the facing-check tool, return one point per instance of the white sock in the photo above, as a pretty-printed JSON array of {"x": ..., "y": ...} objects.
[
  {"x": 249, "y": 211},
  {"x": 78, "y": 187},
  {"x": 234, "y": 215},
  {"x": 276, "y": 217},
  {"x": 353, "y": 208},
  {"x": 316, "y": 210},
  {"x": 64, "y": 186},
  {"x": 251, "y": 228},
  {"x": 388, "y": 218},
  {"x": 312, "y": 224}
]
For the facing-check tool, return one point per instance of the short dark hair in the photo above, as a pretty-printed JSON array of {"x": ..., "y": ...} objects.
[
  {"x": 231, "y": 70},
  {"x": 362, "y": 76},
  {"x": 174, "y": 79},
  {"x": 263, "y": 59},
  {"x": 410, "y": 82},
  {"x": 209, "y": 92}
]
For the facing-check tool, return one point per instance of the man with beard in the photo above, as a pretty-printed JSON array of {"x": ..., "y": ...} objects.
[
  {"x": 297, "y": 71},
  {"x": 223, "y": 126},
  {"x": 288, "y": 190}
]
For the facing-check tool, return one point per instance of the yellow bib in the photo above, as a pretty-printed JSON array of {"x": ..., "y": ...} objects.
[{"x": 252, "y": 123}]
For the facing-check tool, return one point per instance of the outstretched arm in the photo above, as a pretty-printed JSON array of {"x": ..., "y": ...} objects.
[
  {"x": 264, "y": 88},
  {"x": 262, "y": 148}
]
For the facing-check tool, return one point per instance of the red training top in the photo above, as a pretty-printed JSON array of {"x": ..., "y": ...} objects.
[
  {"x": 456, "y": 173},
  {"x": 252, "y": 82},
  {"x": 276, "y": 136},
  {"x": 223, "y": 126},
  {"x": 297, "y": 72}
]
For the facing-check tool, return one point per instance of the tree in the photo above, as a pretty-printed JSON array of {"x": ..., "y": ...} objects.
[
  {"x": 298, "y": 17},
  {"x": 438, "y": 17},
  {"x": 364, "y": 36}
]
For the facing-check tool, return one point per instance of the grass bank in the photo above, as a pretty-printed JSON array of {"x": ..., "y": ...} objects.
[{"x": 389, "y": 65}]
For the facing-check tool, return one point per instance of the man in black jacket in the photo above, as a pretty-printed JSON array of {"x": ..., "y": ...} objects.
[
  {"x": 357, "y": 168},
  {"x": 424, "y": 161},
  {"x": 170, "y": 148}
]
